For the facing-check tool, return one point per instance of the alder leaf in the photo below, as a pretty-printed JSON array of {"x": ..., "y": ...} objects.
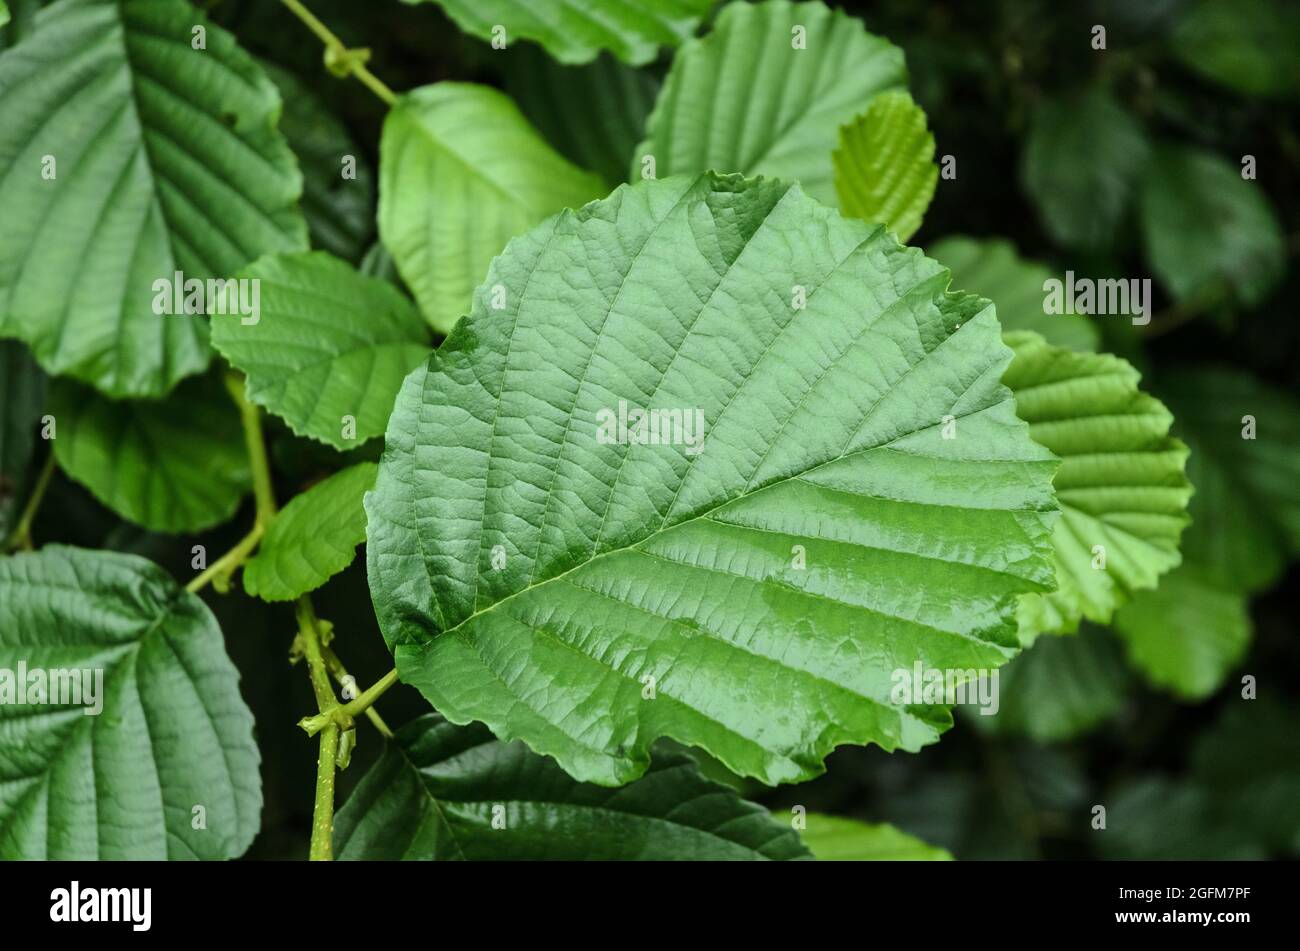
[
  {"x": 1121, "y": 485},
  {"x": 575, "y": 31},
  {"x": 884, "y": 166},
  {"x": 313, "y": 538},
  {"x": 765, "y": 93},
  {"x": 1187, "y": 634},
  {"x": 461, "y": 172},
  {"x": 1081, "y": 163},
  {"x": 991, "y": 268},
  {"x": 751, "y": 586},
  {"x": 129, "y": 156},
  {"x": 173, "y": 733},
  {"x": 1207, "y": 231},
  {"x": 447, "y": 792},
  {"x": 330, "y": 348},
  {"x": 177, "y": 464},
  {"x": 836, "y": 839}
]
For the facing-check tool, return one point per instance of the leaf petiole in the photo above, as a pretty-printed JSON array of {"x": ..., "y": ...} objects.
[{"x": 342, "y": 715}]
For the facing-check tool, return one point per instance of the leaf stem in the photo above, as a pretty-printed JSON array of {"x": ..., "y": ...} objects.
[
  {"x": 341, "y": 60},
  {"x": 342, "y": 715},
  {"x": 322, "y": 821},
  {"x": 340, "y": 674},
  {"x": 21, "y": 537},
  {"x": 249, "y": 416},
  {"x": 225, "y": 565}
]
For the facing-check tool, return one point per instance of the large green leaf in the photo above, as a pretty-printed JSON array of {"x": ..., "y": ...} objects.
[
  {"x": 167, "y": 160},
  {"x": 1061, "y": 687},
  {"x": 836, "y": 839},
  {"x": 172, "y": 465},
  {"x": 168, "y": 768},
  {"x": 340, "y": 211},
  {"x": 1188, "y": 633},
  {"x": 331, "y": 344},
  {"x": 594, "y": 114},
  {"x": 991, "y": 268},
  {"x": 884, "y": 166},
  {"x": 442, "y": 791},
  {"x": 575, "y": 31},
  {"x": 1252, "y": 46},
  {"x": 1081, "y": 164},
  {"x": 1121, "y": 485},
  {"x": 757, "y": 95},
  {"x": 1208, "y": 231},
  {"x": 752, "y": 586},
  {"x": 4, "y": 13},
  {"x": 313, "y": 538},
  {"x": 461, "y": 172},
  {"x": 22, "y": 398}
]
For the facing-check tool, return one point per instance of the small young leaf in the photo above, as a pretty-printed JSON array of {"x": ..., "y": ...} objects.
[
  {"x": 884, "y": 167},
  {"x": 177, "y": 464},
  {"x": 575, "y": 31},
  {"x": 442, "y": 792},
  {"x": 313, "y": 538},
  {"x": 836, "y": 839},
  {"x": 172, "y": 732},
  {"x": 461, "y": 172},
  {"x": 1121, "y": 485},
  {"x": 991, "y": 268},
  {"x": 748, "y": 581},
  {"x": 148, "y": 158},
  {"x": 1207, "y": 230},
  {"x": 329, "y": 349},
  {"x": 775, "y": 80}
]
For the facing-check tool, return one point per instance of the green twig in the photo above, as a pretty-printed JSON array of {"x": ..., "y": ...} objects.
[
  {"x": 322, "y": 822},
  {"x": 340, "y": 673},
  {"x": 341, "y": 60},
  {"x": 226, "y": 565},
  {"x": 343, "y": 715},
  {"x": 21, "y": 537}
]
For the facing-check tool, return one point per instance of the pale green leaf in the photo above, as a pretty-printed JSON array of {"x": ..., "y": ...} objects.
[
  {"x": 594, "y": 114},
  {"x": 751, "y": 586},
  {"x": 313, "y": 538},
  {"x": 991, "y": 268},
  {"x": 1081, "y": 164},
  {"x": 884, "y": 166},
  {"x": 177, "y": 464},
  {"x": 4, "y": 13},
  {"x": 167, "y": 159},
  {"x": 1207, "y": 231},
  {"x": 765, "y": 93},
  {"x": 461, "y": 172},
  {"x": 329, "y": 349},
  {"x": 1121, "y": 486},
  {"x": 447, "y": 792},
  {"x": 1186, "y": 635},
  {"x": 836, "y": 839},
  {"x": 172, "y": 733},
  {"x": 575, "y": 31}
]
